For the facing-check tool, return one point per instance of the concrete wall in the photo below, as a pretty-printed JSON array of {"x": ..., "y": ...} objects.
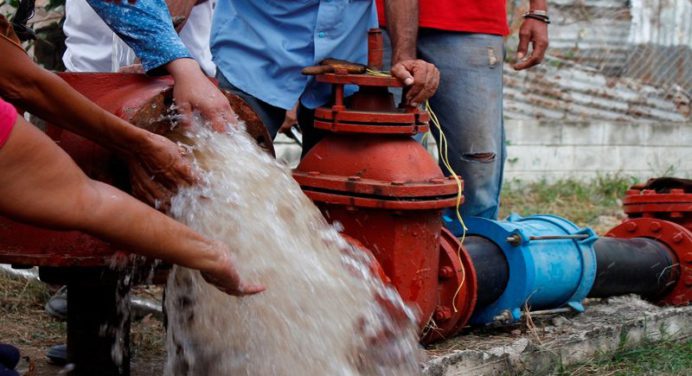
[{"x": 554, "y": 150}]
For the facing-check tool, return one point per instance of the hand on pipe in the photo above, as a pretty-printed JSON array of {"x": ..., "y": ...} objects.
[
  {"x": 193, "y": 91},
  {"x": 157, "y": 169},
  {"x": 421, "y": 77},
  {"x": 532, "y": 32},
  {"x": 225, "y": 277}
]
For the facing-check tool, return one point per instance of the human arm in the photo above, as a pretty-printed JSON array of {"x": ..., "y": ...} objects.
[
  {"x": 46, "y": 95},
  {"x": 421, "y": 77},
  {"x": 532, "y": 32},
  {"x": 147, "y": 28},
  {"x": 41, "y": 185}
]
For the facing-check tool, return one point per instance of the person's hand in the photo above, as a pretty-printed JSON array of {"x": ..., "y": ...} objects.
[
  {"x": 532, "y": 32},
  {"x": 224, "y": 276},
  {"x": 180, "y": 10},
  {"x": 193, "y": 91},
  {"x": 157, "y": 169},
  {"x": 290, "y": 119},
  {"x": 133, "y": 68},
  {"x": 421, "y": 78}
]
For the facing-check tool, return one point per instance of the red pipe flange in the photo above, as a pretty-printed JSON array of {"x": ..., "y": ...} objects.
[
  {"x": 665, "y": 198},
  {"x": 457, "y": 278},
  {"x": 677, "y": 238}
]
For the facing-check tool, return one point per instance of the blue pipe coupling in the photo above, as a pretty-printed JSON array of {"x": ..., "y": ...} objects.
[{"x": 552, "y": 264}]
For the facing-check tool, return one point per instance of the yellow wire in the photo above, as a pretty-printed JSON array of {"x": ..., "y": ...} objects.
[
  {"x": 444, "y": 157},
  {"x": 442, "y": 151}
]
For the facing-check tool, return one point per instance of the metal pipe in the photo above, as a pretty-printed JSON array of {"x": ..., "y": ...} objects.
[
  {"x": 516, "y": 238},
  {"x": 640, "y": 266},
  {"x": 491, "y": 266}
]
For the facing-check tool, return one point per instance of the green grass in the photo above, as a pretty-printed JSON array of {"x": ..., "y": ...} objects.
[
  {"x": 650, "y": 358},
  {"x": 585, "y": 203}
]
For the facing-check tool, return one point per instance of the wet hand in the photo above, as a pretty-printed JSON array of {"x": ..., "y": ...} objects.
[
  {"x": 421, "y": 78},
  {"x": 193, "y": 91},
  {"x": 158, "y": 169},
  {"x": 535, "y": 33},
  {"x": 225, "y": 277}
]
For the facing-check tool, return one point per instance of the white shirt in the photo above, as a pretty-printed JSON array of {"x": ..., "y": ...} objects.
[{"x": 92, "y": 46}]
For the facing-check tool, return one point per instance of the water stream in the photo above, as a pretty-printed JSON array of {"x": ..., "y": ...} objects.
[{"x": 323, "y": 312}]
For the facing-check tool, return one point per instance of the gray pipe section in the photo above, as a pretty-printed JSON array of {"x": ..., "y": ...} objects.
[
  {"x": 641, "y": 266},
  {"x": 491, "y": 267}
]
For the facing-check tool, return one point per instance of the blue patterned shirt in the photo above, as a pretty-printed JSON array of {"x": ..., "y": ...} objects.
[{"x": 260, "y": 46}]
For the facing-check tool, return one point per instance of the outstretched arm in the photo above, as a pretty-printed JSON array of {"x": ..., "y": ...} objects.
[
  {"x": 422, "y": 77},
  {"x": 40, "y": 184},
  {"x": 46, "y": 95}
]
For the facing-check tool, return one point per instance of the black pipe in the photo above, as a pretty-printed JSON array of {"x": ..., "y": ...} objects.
[
  {"x": 492, "y": 269},
  {"x": 634, "y": 266}
]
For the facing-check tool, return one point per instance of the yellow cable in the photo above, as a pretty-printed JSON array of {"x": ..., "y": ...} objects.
[
  {"x": 444, "y": 157},
  {"x": 442, "y": 151}
]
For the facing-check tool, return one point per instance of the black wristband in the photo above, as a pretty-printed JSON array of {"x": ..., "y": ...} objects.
[{"x": 543, "y": 19}]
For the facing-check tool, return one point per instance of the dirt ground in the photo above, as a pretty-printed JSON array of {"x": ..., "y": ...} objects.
[{"x": 25, "y": 324}]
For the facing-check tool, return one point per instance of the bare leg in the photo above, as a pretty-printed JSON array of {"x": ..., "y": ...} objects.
[{"x": 40, "y": 184}]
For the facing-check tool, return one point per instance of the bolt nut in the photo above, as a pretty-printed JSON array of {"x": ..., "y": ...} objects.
[
  {"x": 397, "y": 182},
  {"x": 631, "y": 227},
  {"x": 446, "y": 272},
  {"x": 655, "y": 226},
  {"x": 437, "y": 180},
  {"x": 354, "y": 178},
  {"x": 442, "y": 314},
  {"x": 677, "y": 238}
]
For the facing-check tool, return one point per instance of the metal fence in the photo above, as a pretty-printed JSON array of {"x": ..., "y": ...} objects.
[{"x": 625, "y": 60}]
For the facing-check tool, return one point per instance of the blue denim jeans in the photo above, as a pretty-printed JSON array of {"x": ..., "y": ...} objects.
[
  {"x": 468, "y": 104},
  {"x": 273, "y": 116}
]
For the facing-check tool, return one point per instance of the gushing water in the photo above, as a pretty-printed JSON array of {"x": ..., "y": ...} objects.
[{"x": 323, "y": 312}]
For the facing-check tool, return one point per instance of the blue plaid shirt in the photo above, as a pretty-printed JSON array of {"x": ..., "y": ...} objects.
[{"x": 260, "y": 46}]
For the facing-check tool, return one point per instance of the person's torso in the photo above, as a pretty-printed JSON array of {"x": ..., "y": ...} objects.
[
  {"x": 90, "y": 42},
  {"x": 261, "y": 46},
  {"x": 473, "y": 16}
]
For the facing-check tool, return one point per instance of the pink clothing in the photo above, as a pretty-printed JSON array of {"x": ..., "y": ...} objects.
[{"x": 8, "y": 116}]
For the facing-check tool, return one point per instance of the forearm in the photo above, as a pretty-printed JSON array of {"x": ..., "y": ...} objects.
[
  {"x": 402, "y": 26},
  {"x": 538, "y": 5},
  {"x": 146, "y": 27},
  {"x": 146, "y": 231},
  {"x": 47, "y": 96}
]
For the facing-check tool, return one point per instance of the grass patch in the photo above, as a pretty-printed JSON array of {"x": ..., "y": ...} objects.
[
  {"x": 595, "y": 204},
  {"x": 670, "y": 358}
]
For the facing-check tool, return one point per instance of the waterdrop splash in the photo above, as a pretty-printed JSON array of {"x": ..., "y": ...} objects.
[{"x": 323, "y": 313}]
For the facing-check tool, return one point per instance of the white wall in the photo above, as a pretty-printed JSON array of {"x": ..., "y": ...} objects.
[{"x": 551, "y": 150}]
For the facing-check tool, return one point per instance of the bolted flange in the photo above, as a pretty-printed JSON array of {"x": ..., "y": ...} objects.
[{"x": 677, "y": 238}]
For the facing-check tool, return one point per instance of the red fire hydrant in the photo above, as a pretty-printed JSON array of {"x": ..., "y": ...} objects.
[{"x": 370, "y": 176}]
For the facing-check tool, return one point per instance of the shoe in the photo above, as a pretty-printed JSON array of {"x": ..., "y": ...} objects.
[
  {"x": 57, "y": 355},
  {"x": 9, "y": 356},
  {"x": 57, "y": 305}
]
